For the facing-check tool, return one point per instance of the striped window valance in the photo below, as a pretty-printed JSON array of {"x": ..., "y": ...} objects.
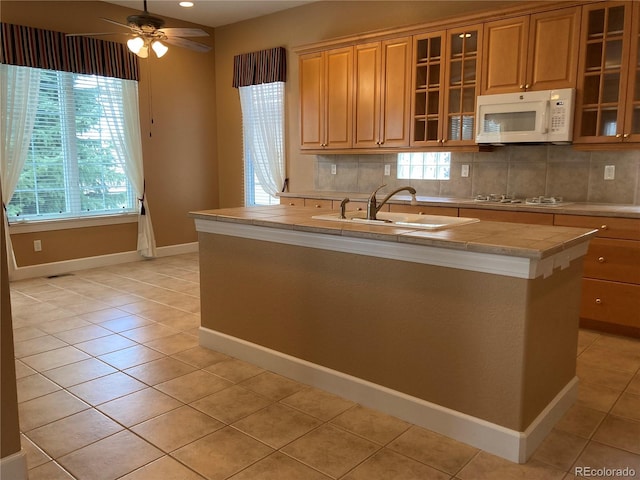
[
  {"x": 265, "y": 66},
  {"x": 34, "y": 47}
]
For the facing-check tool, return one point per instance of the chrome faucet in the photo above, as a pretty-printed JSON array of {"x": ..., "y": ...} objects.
[
  {"x": 373, "y": 207},
  {"x": 343, "y": 207}
]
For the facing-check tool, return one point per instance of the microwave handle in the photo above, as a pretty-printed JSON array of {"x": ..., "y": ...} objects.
[{"x": 543, "y": 123}]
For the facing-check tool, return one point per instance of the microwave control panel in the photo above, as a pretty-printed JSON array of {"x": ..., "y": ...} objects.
[{"x": 559, "y": 116}]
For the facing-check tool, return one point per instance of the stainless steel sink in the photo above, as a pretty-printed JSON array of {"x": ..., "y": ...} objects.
[{"x": 411, "y": 220}]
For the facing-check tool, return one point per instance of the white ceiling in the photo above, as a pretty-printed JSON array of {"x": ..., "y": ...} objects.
[{"x": 212, "y": 13}]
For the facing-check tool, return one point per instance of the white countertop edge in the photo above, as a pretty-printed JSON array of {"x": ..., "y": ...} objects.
[{"x": 495, "y": 264}]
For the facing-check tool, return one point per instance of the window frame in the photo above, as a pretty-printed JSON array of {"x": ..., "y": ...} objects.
[{"x": 66, "y": 84}]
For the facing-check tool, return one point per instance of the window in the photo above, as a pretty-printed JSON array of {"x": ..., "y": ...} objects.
[
  {"x": 263, "y": 127},
  {"x": 71, "y": 168},
  {"x": 424, "y": 165}
]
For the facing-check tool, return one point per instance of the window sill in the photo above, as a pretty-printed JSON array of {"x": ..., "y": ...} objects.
[{"x": 29, "y": 226}]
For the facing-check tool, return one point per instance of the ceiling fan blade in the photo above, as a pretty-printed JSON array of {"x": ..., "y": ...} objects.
[
  {"x": 115, "y": 23},
  {"x": 93, "y": 34},
  {"x": 191, "y": 45},
  {"x": 184, "y": 32}
]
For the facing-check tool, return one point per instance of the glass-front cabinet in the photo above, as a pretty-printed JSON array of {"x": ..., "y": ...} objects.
[
  {"x": 445, "y": 78},
  {"x": 608, "y": 104},
  {"x": 463, "y": 72}
]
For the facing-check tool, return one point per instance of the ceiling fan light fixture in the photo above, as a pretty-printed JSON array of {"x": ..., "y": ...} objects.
[
  {"x": 135, "y": 44},
  {"x": 159, "y": 48}
]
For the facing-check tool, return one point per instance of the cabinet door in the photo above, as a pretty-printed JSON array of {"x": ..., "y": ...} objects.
[
  {"x": 338, "y": 98},
  {"x": 603, "y": 70},
  {"x": 505, "y": 55},
  {"x": 463, "y": 69},
  {"x": 632, "y": 119},
  {"x": 311, "y": 72},
  {"x": 427, "y": 95},
  {"x": 553, "y": 49},
  {"x": 396, "y": 93},
  {"x": 367, "y": 73}
]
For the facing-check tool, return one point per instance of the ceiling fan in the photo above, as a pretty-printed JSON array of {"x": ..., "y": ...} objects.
[{"x": 148, "y": 31}]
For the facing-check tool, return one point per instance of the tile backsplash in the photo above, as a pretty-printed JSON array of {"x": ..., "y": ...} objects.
[{"x": 519, "y": 170}]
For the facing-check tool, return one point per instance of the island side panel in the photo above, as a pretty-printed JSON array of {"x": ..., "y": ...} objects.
[
  {"x": 551, "y": 337},
  {"x": 452, "y": 337}
]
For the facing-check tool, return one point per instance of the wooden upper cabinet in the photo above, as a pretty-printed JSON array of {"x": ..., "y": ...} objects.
[
  {"x": 531, "y": 52},
  {"x": 608, "y": 102},
  {"x": 427, "y": 90},
  {"x": 311, "y": 69},
  {"x": 382, "y": 72},
  {"x": 326, "y": 102},
  {"x": 445, "y": 82},
  {"x": 462, "y": 83},
  {"x": 505, "y": 51}
]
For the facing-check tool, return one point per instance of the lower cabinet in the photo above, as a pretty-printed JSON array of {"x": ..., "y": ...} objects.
[
  {"x": 424, "y": 209},
  {"x": 508, "y": 216},
  {"x": 611, "y": 282}
]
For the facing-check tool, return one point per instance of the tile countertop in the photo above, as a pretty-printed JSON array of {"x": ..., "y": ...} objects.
[
  {"x": 569, "y": 208},
  {"x": 507, "y": 239}
]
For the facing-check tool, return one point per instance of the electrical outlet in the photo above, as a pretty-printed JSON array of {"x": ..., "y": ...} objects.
[
  {"x": 37, "y": 245},
  {"x": 464, "y": 172},
  {"x": 609, "y": 172},
  {"x": 334, "y": 169},
  {"x": 387, "y": 170}
]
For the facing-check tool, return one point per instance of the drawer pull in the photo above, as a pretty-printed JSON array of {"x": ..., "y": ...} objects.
[
  {"x": 601, "y": 259},
  {"x": 291, "y": 204},
  {"x": 604, "y": 227},
  {"x": 318, "y": 206},
  {"x": 598, "y": 301}
]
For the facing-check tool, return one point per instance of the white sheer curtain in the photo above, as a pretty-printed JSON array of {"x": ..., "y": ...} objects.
[
  {"x": 19, "y": 88},
  {"x": 128, "y": 146},
  {"x": 263, "y": 126}
]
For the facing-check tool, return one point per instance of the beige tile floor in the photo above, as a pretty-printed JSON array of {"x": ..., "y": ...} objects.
[{"x": 113, "y": 385}]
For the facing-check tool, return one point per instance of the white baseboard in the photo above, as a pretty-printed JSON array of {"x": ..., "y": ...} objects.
[
  {"x": 14, "y": 467},
  {"x": 66, "y": 266},
  {"x": 506, "y": 443}
]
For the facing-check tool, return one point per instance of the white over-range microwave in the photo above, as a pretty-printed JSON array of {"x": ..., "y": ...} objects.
[{"x": 525, "y": 117}]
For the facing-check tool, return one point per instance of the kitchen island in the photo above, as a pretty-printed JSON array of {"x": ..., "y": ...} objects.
[{"x": 470, "y": 331}]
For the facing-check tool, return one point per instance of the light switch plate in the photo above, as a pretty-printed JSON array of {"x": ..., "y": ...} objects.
[
  {"x": 334, "y": 169},
  {"x": 464, "y": 172},
  {"x": 609, "y": 172},
  {"x": 387, "y": 170}
]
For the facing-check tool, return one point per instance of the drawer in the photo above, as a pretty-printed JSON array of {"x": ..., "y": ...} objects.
[
  {"x": 351, "y": 206},
  {"x": 504, "y": 216},
  {"x": 608, "y": 227},
  {"x": 611, "y": 259},
  {"x": 292, "y": 201},
  {"x": 425, "y": 209},
  {"x": 310, "y": 202},
  {"x": 611, "y": 302}
]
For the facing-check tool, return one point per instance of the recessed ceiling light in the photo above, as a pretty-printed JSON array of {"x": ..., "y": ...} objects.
[{"x": 186, "y": 4}]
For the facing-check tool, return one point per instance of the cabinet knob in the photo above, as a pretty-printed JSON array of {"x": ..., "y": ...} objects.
[
  {"x": 291, "y": 204},
  {"x": 604, "y": 227},
  {"x": 521, "y": 86},
  {"x": 601, "y": 259},
  {"x": 626, "y": 135},
  {"x": 598, "y": 301},
  {"x": 527, "y": 86},
  {"x": 318, "y": 206},
  {"x": 618, "y": 135}
]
